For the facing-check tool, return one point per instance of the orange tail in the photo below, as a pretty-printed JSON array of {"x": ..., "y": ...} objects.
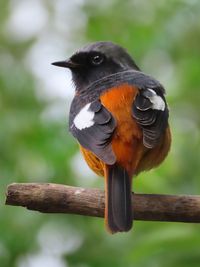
[{"x": 118, "y": 208}]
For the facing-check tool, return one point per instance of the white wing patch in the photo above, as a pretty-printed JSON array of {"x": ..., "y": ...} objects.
[
  {"x": 156, "y": 100},
  {"x": 84, "y": 119}
]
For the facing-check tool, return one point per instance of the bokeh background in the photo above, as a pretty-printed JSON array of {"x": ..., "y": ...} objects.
[{"x": 35, "y": 146}]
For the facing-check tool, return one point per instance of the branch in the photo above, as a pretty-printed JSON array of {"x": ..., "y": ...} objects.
[{"x": 55, "y": 198}]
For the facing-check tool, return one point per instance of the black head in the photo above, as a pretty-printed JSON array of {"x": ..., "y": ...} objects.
[{"x": 95, "y": 61}]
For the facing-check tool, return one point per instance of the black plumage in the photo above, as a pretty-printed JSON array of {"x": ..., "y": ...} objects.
[
  {"x": 152, "y": 121},
  {"x": 96, "y": 138},
  {"x": 119, "y": 199}
]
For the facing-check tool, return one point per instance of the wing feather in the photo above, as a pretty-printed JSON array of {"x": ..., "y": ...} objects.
[
  {"x": 152, "y": 121},
  {"x": 97, "y": 137}
]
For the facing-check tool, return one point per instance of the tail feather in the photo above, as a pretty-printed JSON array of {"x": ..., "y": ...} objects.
[{"x": 118, "y": 211}]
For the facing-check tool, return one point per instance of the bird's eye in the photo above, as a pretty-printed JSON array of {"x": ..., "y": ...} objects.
[{"x": 97, "y": 59}]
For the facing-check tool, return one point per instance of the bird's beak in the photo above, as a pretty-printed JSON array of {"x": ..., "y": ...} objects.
[{"x": 66, "y": 64}]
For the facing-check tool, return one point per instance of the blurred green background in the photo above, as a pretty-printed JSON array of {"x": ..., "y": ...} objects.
[{"x": 35, "y": 146}]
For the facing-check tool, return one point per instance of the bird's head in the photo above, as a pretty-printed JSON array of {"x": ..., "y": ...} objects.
[{"x": 95, "y": 61}]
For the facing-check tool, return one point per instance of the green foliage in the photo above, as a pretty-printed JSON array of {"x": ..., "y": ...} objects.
[{"x": 163, "y": 36}]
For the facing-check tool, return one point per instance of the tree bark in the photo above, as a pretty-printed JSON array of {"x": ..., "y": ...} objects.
[{"x": 56, "y": 198}]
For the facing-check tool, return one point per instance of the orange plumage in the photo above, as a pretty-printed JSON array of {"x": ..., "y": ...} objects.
[{"x": 127, "y": 139}]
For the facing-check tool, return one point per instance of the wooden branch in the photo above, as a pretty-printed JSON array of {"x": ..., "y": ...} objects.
[{"x": 55, "y": 198}]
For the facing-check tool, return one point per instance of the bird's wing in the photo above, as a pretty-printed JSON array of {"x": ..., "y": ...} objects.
[
  {"x": 93, "y": 127},
  {"x": 151, "y": 113}
]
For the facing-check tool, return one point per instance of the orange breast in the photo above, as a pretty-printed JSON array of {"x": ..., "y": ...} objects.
[{"x": 127, "y": 140}]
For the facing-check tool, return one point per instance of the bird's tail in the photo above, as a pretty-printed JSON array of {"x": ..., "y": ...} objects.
[{"x": 118, "y": 208}]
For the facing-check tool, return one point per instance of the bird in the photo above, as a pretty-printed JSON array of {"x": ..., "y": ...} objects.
[{"x": 119, "y": 116}]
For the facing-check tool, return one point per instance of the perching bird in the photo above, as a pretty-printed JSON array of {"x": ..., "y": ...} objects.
[{"x": 119, "y": 117}]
